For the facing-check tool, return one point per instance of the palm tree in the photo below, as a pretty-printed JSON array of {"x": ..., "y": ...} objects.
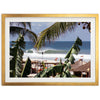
[
  {"x": 24, "y": 28},
  {"x": 55, "y": 30}
]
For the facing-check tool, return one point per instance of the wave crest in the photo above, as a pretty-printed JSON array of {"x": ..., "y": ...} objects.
[{"x": 46, "y": 50}]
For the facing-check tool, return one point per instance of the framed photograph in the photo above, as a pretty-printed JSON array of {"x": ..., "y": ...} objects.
[{"x": 50, "y": 49}]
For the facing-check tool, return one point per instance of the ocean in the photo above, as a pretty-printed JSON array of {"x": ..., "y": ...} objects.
[
  {"x": 54, "y": 49},
  {"x": 60, "y": 47}
]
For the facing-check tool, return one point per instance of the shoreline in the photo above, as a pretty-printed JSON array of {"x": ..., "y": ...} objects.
[{"x": 52, "y": 57}]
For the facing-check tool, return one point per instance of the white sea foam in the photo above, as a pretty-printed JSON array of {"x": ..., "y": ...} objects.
[
  {"x": 38, "y": 56},
  {"x": 39, "y": 51}
]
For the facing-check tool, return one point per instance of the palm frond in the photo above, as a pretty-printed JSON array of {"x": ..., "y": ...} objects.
[
  {"x": 21, "y": 24},
  {"x": 25, "y": 24},
  {"x": 31, "y": 35},
  {"x": 29, "y": 24},
  {"x": 16, "y": 30},
  {"x": 54, "y": 32}
]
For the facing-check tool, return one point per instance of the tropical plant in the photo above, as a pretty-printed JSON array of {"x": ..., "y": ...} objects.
[
  {"x": 16, "y": 68},
  {"x": 62, "y": 70},
  {"x": 24, "y": 28},
  {"x": 27, "y": 68},
  {"x": 17, "y": 52},
  {"x": 58, "y": 28},
  {"x": 53, "y": 32}
]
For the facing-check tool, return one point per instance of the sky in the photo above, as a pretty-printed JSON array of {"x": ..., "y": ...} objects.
[{"x": 37, "y": 27}]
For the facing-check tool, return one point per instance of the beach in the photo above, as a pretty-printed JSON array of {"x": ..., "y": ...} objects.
[
  {"x": 52, "y": 57},
  {"x": 55, "y": 50},
  {"x": 54, "y": 53},
  {"x": 51, "y": 60}
]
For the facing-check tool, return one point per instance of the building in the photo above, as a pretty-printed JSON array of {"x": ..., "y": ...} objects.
[{"x": 81, "y": 69}]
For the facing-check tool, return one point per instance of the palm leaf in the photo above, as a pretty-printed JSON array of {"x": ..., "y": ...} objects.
[
  {"x": 29, "y": 24},
  {"x": 22, "y": 24},
  {"x": 32, "y": 36},
  {"x": 26, "y": 32},
  {"x": 54, "y": 32}
]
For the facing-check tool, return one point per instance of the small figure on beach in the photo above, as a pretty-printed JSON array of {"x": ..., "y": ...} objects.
[{"x": 42, "y": 55}]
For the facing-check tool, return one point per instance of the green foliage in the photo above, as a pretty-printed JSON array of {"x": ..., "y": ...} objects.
[
  {"x": 69, "y": 57},
  {"x": 62, "y": 70},
  {"x": 75, "y": 48},
  {"x": 52, "y": 71},
  {"x": 17, "y": 52},
  {"x": 26, "y": 24},
  {"x": 22, "y": 24},
  {"x": 43, "y": 64},
  {"x": 23, "y": 29},
  {"x": 54, "y": 32},
  {"x": 27, "y": 68},
  {"x": 59, "y": 70}
]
